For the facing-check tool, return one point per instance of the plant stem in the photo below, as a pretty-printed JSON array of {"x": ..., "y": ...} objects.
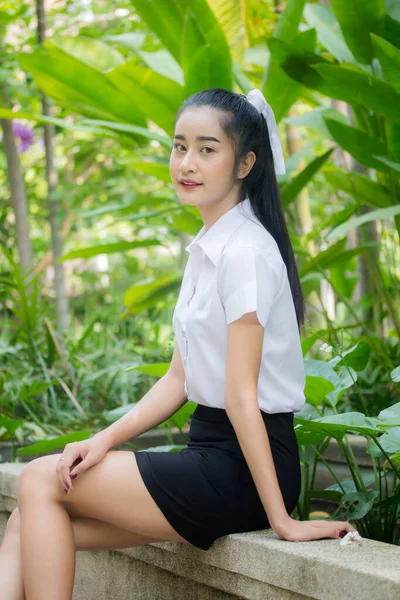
[{"x": 329, "y": 469}]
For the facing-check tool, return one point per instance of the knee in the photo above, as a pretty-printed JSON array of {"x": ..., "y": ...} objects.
[
  {"x": 36, "y": 476},
  {"x": 13, "y": 523}
]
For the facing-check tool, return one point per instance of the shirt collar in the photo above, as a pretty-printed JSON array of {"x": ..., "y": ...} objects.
[{"x": 213, "y": 240}]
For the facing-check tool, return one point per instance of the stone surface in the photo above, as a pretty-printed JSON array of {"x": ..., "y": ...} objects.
[{"x": 254, "y": 566}]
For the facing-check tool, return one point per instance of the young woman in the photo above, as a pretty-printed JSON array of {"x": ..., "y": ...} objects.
[{"x": 238, "y": 356}]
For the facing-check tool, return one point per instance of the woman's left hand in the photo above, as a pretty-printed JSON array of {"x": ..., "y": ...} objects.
[{"x": 301, "y": 531}]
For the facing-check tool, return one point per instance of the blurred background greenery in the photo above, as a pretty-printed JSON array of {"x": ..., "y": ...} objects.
[{"x": 92, "y": 236}]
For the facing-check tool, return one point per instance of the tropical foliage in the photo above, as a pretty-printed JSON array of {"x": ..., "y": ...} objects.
[{"x": 116, "y": 77}]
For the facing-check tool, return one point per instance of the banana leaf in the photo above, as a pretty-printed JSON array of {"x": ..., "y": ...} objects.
[
  {"x": 357, "y": 19},
  {"x": 360, "y": 187},
  {"x": 389, "y": 57}
]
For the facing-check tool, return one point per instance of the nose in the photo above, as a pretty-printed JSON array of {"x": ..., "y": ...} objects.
[{"x": 188, "y": 163}]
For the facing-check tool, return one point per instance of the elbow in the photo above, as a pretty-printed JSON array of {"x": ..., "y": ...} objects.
[{"x": 237, "y": 399}]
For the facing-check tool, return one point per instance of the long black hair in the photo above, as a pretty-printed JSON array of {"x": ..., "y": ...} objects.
[{"x": 247, "y": 129}]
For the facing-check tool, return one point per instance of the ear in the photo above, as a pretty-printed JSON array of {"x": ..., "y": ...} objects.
[{"x": 246, "y": 165}]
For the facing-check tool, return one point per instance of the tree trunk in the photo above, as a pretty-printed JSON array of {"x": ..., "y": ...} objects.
[
  {"x": 18, "y": 196},
  {"x": 62, "y": 308}
]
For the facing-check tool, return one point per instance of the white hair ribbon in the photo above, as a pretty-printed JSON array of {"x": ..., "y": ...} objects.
[{"x": 256, "y": 98}]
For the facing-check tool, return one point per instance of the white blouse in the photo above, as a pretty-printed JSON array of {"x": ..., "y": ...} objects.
[{"x": 235, "y": 267}]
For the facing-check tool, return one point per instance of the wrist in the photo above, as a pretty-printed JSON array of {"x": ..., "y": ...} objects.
[
  {"x": 105, "y": 436},
  {"x": 283, "y": 525}
]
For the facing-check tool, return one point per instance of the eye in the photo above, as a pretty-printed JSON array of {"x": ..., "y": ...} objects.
[
  {"x": 176, "y": 146},
  {"x": 208, "y": 148}
]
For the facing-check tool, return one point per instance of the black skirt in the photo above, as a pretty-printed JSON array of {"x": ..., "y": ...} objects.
[{"x": 207, "y": 491}]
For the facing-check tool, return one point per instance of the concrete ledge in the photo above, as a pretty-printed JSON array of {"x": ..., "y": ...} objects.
[{"x": 253, "y": 566}]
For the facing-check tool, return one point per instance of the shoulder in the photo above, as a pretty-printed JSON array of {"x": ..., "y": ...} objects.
[{"x": 252, "y": 243}]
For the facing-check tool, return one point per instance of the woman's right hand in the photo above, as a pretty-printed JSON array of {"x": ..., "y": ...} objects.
[
  {"x": 301, "y": 531},
  {"x": 81, "y": 456}
]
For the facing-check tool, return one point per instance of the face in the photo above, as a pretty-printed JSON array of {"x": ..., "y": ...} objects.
[{"x": 203, "y": 153}]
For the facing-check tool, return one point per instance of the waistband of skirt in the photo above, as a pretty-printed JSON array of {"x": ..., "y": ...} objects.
[{"x": 212, "y": 413}]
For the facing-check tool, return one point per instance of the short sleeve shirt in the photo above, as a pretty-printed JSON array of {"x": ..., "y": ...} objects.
[{"x": 235, "y": 267}]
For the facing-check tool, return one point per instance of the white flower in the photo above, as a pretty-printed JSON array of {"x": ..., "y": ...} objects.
[{"x": 350, "y": 538}]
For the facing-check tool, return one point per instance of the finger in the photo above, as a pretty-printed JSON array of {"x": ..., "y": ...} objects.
[
  {"x": 63, "y": 468},
  {"x": 75, "y": 470},
  {"x": 329, "y": 532},
  {"x": 346, "y": 526}
]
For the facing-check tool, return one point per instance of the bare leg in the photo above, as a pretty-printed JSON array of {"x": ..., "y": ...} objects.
[
  {"x": 111, "y": 491},
  {"x": 89, "y": 534},
  {"x": 11, "y": 585}
]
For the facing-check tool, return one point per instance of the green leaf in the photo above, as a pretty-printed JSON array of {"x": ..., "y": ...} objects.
[
  {"x": 290, "y": 191},
  {"x": 192, "y": 41},
  {"x": 357, "y": 19},
  {"x": 356, "y": 357},
  {"x": 349, "y": 486},
  {"x": 357, "y": 143},
  {"x": 11, "y": 425},
  {"x": 390, "y": 441},
  {"x": 391, "y": 30},
  {"x": 344, "y": 82},
  {"x": 347, "y": 378},
  {"x": 357, "y": 504},
  {"x": 156, "y": 369},
  {"x": 68, "y": 80},
  {"x": 393, "y": 412},
  {"x": 207, "y": 70},
  {"x": 337, "y": 426},
  {"x": 363, "y": 189},
  {"x": 326, "y": 495},
  {"x": 83, "y": 126},
  {"x": 389, "y": 163},
  {"x": 180, "y": 418},
  {"x": 328, "y": 30},
  {"x": 395, "y": 375},
  {"x": 140, "y": 296},
  {"x": 316, "y": 389},
  {"x": 279, "y": 89},
  {"x": 108, "y": 249},
  {"x": 157, "y": 96},
  {"x": 308, "y": 438},
  {"x": 356, "y": 87},
  {"x": 389, "y": 57},
  {"x": 381, "y": 213},
  {"x": 161, "y": 61},
  {"x": 315, "y": 119},
  {"x": 116, "y": 413},
  {"x": 124, "y": 128},
  {"x": 57, "y": 443},
  {"x": 166, "y": 19},
  {"x": 330, "y": 257},
  {"x": 95, "y": 53},
  {"x": 289, "y": 20},
  {"x": 186, "y": 222},
  {"x": 321, "y": 369},
  {"x": 159, "y": 170}
]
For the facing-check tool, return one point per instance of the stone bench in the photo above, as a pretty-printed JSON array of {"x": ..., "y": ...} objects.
[{"x": 256, "y": 566}]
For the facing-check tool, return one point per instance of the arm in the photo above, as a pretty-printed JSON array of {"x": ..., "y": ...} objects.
[
  {"x": 245, "y": 339},
  {"x": 161, "y": 401}
]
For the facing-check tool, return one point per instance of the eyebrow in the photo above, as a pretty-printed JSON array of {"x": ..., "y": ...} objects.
[{"x": 200, "y": 138}]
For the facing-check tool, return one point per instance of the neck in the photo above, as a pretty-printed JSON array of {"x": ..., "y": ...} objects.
[{"x": 210, "y": 213}]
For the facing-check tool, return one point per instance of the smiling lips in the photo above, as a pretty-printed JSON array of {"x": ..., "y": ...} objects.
[{"x": 187, "y": 185}]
